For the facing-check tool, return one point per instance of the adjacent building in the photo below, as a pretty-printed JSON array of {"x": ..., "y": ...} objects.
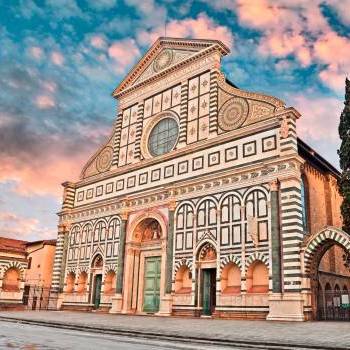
[
  {"x": 203, "y": 201},
  {"x": 25, "y": 273}
]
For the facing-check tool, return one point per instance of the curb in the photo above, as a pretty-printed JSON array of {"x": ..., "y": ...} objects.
[{"x": 169, "y": 337}]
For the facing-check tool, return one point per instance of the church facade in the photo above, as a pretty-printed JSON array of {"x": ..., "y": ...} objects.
[{"x": 203, "y": 201}]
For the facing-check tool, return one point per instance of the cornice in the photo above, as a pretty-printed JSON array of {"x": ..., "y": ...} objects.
[
  {"x": 158, "y": 76},
  {"x": 282, "y": 168},
  {"x": 161, "y": 43}
]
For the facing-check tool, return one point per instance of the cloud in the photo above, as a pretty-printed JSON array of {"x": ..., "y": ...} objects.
[
  {"x": 124, "y": 53},
  {"x": 36, "y": 52},
  {"x": 299, "y": 29},
  {"x": 203, "y": 27},
  {"x": 45, "y": 101},
  {"x": 57, "y": 58},
  {"x": 24, "y": 228},
  {"x": 98, "y": 42},
  {"x": 320, "y": 117}
]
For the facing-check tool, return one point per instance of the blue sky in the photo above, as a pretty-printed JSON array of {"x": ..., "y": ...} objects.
[{"x": 61, "y": 59}]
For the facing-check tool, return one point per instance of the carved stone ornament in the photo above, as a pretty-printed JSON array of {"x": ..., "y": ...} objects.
[
  {"x": 104, "y": 160},
  {"x": 163, "y": 60},
  {"x": 233, "y": 113}
]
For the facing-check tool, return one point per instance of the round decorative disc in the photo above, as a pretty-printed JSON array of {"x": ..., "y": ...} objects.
[
  {"x": 104, "y": 160},
  {"x": 163, "y": 60},
  {"x": 233, "y": 113}
]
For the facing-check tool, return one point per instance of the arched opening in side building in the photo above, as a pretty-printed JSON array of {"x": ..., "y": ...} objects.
[{"x": 327, "y": 262}]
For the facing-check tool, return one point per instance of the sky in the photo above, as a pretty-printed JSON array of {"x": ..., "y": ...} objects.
[{"x": 60, "y": 60}]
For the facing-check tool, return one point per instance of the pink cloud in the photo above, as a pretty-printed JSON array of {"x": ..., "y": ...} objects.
[
  {"x": 202, "y": 27},
  {"x": 42, "y": 176},
  {"x": 45, "y": 102},
  {"x": 98, "y": 42},
  {"x": 57, "y": 58},
  {"x": 124, "y": 53},
  {"x": 50, "y": 86},
  {"x": 20, "y": 227},
  {"x": 42, "y": 167},
  {"x": 36, "y": 52},
  {"x": 320, "y": 117}
]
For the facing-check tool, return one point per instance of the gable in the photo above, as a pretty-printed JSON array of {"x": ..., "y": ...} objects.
[
  {"x": 166, "y": 58},
  {"x": 164, "y": 55}
]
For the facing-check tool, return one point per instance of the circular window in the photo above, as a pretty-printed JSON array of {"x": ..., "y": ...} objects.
[{"x": 163, "y": 137}]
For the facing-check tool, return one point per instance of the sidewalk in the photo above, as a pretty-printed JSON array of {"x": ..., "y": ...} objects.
[{"x": 316, "y": 334}]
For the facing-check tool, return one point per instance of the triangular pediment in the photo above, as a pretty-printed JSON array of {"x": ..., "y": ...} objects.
[{"x": 166, "y": 53}]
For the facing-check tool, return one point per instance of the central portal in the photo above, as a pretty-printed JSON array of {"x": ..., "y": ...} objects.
[
  {"x": 145, "y": 265},
  {"x": 151, "y": 296}
]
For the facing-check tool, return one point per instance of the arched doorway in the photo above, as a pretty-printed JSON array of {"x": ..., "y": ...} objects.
[
  {"x": 96, "y": 279},
  {"x": 325, "y": 263},
  {"x": 207, "y": 267},
  {"x": 144, "y": 266}
]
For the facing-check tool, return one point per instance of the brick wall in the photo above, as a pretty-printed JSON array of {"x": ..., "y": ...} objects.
[{"x": 323, "y": 199}]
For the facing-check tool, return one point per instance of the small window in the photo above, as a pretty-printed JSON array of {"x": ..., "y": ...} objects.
[{"x": 29, "y": 263}]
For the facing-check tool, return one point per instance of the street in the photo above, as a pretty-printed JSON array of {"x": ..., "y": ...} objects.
[{"x": 32, "y": 337}]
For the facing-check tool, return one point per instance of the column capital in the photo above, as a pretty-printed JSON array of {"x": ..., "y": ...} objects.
[
  {"x": 64, "y": 227},
  {"x": 124, "y": 215},
  {"x": 274, "y": 185},
  {"x": 172, "y": 205}
]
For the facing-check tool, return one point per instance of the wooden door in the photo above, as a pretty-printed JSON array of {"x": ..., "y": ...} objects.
[
  {"x": 151, "y": 296},
  {"x": 97, "y": 291},
  {"x": 209, "y": 291}
]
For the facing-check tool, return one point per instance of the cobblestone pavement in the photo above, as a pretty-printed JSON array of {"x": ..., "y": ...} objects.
[{"x": 327, "y": 334}]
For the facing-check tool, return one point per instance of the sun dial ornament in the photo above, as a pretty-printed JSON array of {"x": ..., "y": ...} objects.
[
  {"x": 104, "y": 160},
  {"x": 233, "y": 113},
  {"x": 164, "y": 59}
]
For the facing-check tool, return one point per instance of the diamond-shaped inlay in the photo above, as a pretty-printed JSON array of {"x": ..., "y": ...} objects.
[
  {"x": 166, "y": 100},
  {"x": 192, "y": 130},
  {"x": 204, "y": 83},
  {"x": 204, "y": 104},
  {"x": 204, "y": 127},
  {"x": 193, "y": 109},
  {"x": 176, "y": 95},
  {"x": 193, "y": 88},
  {"x": 148, "y": 108},
  {"x": 157, "y": 104}
]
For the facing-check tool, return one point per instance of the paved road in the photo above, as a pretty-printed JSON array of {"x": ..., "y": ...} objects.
[
  {"x": 32, "y": 337},
  {"x": 314, "y": 334}
]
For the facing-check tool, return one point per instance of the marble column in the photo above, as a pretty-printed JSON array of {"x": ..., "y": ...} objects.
[
  {"x": 121, "y": 254},
  {"x": 59, "y": 265},
  {"x": 169, "y": 248},
  {"x": 166, "y": 300},
  {"x": 275, "y": 238},
  {"x": 117, "y": 301}
]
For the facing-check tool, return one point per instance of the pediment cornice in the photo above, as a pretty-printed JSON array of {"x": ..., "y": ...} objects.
[{"x": 199, "y": 47}]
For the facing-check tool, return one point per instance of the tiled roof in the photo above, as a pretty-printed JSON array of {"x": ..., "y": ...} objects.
[
  {"x": 44, "y": 242},
  {"x": 12, "y": 245}
]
